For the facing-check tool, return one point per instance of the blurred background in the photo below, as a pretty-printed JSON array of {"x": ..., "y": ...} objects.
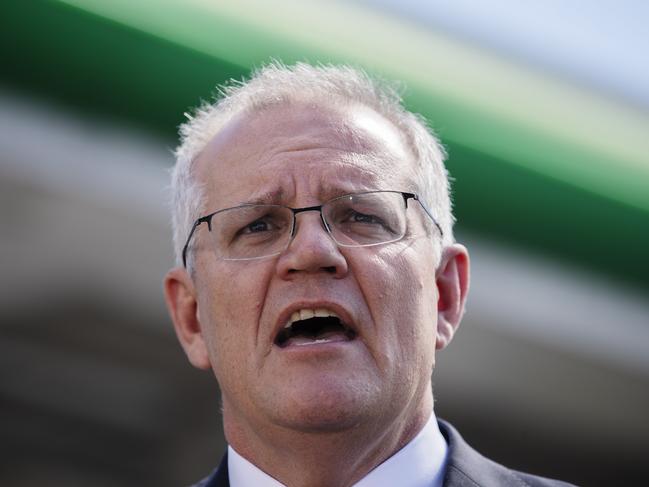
[{"x": 544, "y": 109}]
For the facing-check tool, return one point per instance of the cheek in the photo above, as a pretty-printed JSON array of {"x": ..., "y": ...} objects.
[
  {"x": 230, "y": 303},
  {"x": 234, "y": 293},
  {"x": 403, "y": 302}
]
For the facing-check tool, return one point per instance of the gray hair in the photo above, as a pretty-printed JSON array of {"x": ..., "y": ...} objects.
[{"x": 278, "y": 84}]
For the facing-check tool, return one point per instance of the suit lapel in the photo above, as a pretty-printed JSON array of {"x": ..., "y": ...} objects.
[{"x": 219, "y": 477}]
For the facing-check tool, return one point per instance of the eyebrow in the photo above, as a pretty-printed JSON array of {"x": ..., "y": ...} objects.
[
  {"x": 266, "y": 198},
  {"x": 331, "y": 191}
]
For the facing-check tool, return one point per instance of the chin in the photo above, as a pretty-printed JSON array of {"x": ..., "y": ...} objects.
[
  {"x": 319, "y": 419},
  {"x": 326, "y": 407}
]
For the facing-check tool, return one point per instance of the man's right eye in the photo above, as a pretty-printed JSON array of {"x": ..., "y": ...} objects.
[{"x": 257, "y": 226}]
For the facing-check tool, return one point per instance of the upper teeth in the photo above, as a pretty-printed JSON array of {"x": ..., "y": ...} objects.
[{"x": 305, "y": 314}]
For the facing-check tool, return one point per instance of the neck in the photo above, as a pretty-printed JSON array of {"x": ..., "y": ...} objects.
[{"x": 323, "y": 458}]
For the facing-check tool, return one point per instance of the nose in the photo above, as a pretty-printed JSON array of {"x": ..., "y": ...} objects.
[{"x": 311, "y": 250}]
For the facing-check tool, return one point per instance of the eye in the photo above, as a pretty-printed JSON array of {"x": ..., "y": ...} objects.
[
  {"x": 256, "y": 226},
  {"x": 358, "y": 217},
  {"x": 261, "y": 225}
]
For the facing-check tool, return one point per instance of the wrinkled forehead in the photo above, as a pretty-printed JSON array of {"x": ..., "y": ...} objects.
[{"x": 335, "y": 144}]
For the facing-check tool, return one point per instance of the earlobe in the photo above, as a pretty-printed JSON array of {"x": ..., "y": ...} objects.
[
  {"x": 181, "y": 301},
  {"x": 452, "y": 278}
]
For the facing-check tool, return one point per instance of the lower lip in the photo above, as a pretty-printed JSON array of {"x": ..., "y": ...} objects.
[{"x": 327, "y": 345}]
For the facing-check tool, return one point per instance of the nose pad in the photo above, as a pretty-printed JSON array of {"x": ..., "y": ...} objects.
[
  {"x": 311, "y": 249},
  {"x": 311, "y": 230},
  {"x": 296, "y": 222}
]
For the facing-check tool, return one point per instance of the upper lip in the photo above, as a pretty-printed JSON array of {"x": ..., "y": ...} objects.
[{"x": 285, "y": 315}]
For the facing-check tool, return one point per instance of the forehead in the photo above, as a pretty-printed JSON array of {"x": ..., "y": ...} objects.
[{"x": 284, "y": 152}]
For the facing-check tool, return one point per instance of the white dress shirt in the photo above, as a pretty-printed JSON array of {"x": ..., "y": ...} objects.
[{"x": 421, "y": 463}]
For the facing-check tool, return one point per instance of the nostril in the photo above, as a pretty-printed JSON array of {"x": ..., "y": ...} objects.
[{"x": 330, "y": 269}]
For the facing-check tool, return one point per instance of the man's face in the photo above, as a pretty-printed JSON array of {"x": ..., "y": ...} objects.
[{"x": 300, "y": 156}]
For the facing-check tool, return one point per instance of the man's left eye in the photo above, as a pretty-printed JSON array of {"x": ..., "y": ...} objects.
[{"x": 357, "y": 217}]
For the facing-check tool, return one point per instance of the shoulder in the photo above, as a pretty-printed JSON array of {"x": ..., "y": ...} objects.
[{"x": 467, "y": 468}]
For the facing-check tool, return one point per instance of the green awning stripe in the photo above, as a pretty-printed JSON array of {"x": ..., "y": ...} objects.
[{"x": 470, "y": 96}]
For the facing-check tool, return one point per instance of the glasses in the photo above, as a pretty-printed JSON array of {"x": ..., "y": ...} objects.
[{"x": 253, "y": 231}]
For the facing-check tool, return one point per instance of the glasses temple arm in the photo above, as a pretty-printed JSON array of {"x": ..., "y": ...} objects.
[
  {"x": 429, "y": 213},
  {"x": 189, "y": 238}
]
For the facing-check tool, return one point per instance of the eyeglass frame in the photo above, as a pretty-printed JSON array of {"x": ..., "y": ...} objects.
[{"x": 295, "y": 211}]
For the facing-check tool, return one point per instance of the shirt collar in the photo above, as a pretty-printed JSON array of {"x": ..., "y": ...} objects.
[{"x": 421, "y": 463}]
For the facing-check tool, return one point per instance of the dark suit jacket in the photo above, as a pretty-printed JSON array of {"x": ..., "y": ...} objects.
[{"x": 465, "y": 467}]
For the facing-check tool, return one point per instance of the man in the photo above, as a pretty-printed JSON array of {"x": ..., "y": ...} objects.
[{"x": 317, "y": 275}]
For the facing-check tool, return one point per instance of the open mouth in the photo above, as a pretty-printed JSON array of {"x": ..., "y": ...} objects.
[{"x": 309, "y": 327}]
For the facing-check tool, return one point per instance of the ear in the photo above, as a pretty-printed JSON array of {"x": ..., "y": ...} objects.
[
  {"x": 452, "y": 278},
  {"x": 180, "y": 296}
]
